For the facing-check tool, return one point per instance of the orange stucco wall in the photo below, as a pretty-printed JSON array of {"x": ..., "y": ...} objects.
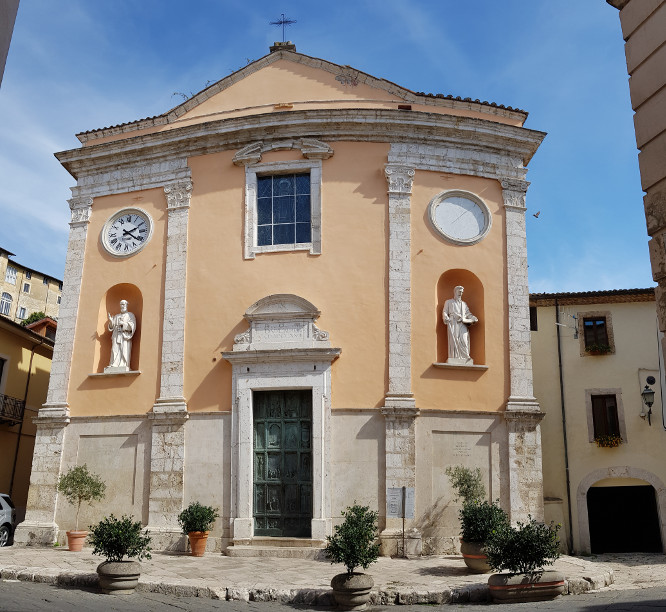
[
  {"x": 100, "y": 292},
  {"x": 347, "y": 282},
  {"x": 305, "y": 88},
  {"x": 433, "y": 257}
]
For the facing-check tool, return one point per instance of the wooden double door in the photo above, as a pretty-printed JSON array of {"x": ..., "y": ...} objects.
[{"x": 282, "y": 488}]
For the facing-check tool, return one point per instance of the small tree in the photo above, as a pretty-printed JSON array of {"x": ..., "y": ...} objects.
[
  {"x": 35, "y": 316},
  {"x": 354, "y": 541},
  {"x": 525, "y": 549},
  {"x": 480, "y": 519},
  {"x": 197, "y": 517},
  {"x": 467, "y": 483},
  {"x": 115, "y": 539},
  {"x": 79, "y": 485}
]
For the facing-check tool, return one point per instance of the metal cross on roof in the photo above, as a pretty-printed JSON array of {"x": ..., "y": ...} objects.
[{"x": 283, "y": 21}]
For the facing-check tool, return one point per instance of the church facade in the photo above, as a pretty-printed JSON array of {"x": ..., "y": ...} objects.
[{"x": 286, "y": 241}]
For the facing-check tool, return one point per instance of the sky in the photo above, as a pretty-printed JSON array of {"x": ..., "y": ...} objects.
[{"x": 76, "y": 65}]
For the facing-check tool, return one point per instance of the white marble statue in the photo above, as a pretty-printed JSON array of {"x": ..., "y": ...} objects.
[
  {"x": 122, "y": 327},
  {"x": 458, "y": 318}
]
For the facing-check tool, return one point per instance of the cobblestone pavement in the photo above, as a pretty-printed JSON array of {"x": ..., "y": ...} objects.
[{"x": 442, "y": 579}]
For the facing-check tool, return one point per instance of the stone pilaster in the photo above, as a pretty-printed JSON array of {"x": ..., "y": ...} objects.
[
  {"x": 39, "y": 527},
  {"x": 56, "y": 398},
  {"x": 167, "y": 462},
  {"x": 167, "y": 454},
  {"x": 400, "y": 178},
  {"x": 400, "y": 448},
  {"x": 399, "y": 410},
  {"x": 173, "y": 330},
  {"x": 522, "y": 414}
]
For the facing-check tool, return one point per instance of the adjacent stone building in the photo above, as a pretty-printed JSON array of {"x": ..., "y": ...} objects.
[
  {"x": 644, "y": 31},
  {"x": 594, "y": 353},
  {"x": 24, "y": 291},
  {"x": 286, "y": 240}
]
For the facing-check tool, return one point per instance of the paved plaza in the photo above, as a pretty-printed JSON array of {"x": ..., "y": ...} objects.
[{"x": 441, "y": 579}]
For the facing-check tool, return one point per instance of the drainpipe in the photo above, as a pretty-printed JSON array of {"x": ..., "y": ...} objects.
[
  {"x": 564, "y": 425},
  {"x": 25, "y": 402}
]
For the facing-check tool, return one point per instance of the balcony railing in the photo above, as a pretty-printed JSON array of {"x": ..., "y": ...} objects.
[{"x": 11, "y": 410}]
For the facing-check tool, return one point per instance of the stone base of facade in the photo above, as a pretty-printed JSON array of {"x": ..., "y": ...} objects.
[
  {"x": 391, "y": 543},
  {"x": 35, "y": 534},
  {"x": 167, "y": 539}
]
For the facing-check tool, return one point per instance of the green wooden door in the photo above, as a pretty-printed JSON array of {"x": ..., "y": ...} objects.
[{"x": 283, "y": 463}]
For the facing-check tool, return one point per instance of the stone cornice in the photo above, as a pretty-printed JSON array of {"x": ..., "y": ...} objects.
[
  {"x": 462, "y": 133},
  {"x": 282, "y": 355}
]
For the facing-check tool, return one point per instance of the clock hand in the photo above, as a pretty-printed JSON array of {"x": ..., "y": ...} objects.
[
  {"x": 459, "y": 216},
  {"x": 129, "y": 233}
]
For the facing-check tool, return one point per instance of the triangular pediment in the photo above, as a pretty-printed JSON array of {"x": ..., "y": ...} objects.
[{"x": 284, "y": 79}]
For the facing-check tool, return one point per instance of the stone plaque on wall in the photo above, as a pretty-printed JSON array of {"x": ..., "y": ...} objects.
[
  {"x": 469, "y": 449},
  {"x": 114, "y": 458}
]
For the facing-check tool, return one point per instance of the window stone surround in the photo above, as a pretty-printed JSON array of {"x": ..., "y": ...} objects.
[
  {"x": 620, "y": 411},
  {"x": 591, "y": 314},
  {"x": 252, "y": 171}
]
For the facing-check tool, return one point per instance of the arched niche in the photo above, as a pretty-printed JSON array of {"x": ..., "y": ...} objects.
[
  {"x": 474, "y": 297},
  {"x": 110, "y": 304}
]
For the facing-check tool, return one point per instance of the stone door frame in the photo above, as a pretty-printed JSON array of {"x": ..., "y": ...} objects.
[
  {"x": 623, "y": 471},
  {"x": 271, "y": 377},
  {"x": 281, "y": 350}
]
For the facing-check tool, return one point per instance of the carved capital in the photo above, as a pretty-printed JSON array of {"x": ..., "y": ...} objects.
[
  {"x": 513, "y": 193},
  {"x": 81, "y": 208},
  {"x": 319, "y": 334},
  {"x": 400, "y": 178},
  {"x": 178, "y": 194}
]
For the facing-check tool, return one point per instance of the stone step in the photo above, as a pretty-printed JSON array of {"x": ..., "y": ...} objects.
[
  {"x": 266, "y": 541},
  {"x": 280, "y": 552}
]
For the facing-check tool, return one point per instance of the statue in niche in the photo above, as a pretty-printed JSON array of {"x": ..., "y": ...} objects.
[
  {"x": 122, "y": 327},
  {"x": 457, "y": 318}
]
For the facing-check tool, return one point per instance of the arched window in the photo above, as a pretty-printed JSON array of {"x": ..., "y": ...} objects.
[{"x": 5, "y": 303}]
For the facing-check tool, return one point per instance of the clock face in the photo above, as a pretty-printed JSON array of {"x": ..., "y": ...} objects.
[
  {"x": 127, "y": 232},
  {"x": 460, "y": 217}
]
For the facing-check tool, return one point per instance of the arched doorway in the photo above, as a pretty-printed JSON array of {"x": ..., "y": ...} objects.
[
  {"x": 623, "y": 519},
  {"x": 617, "y": 518}
]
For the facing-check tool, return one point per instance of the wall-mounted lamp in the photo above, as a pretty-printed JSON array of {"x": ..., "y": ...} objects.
[{"x": 648, "y": 400}]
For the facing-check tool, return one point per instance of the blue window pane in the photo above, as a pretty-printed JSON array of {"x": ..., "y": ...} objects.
[
  {"x": 283, "y": 209},
  {"x": 264, "y": 211},
  {"x": 303, "y": 208},
  {"x": 283, "y": 185},
  {"x": 303, "y": 232},
  {"x": 284, "y": 234},
  {"x": 264, "y": 235},
  {"x": 302, "y": 183},
  {"x": 264, "y": 186}
]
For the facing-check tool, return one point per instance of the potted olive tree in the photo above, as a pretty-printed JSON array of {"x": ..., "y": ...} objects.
[
  {"x": 196, "y": 521},
  {"x": 478, "y": 518},
  {"x": 354, "y": 544},
  {"x": 521, "y": 554},
  {"x": 79, "y": 485},
  {"x": 115, "y": 539},
  {"x": 478, "y": 521}
]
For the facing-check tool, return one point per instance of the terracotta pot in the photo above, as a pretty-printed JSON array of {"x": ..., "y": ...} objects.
[
  {"x": 118, "y": 577},
  {"x": 352, "y": 592},
  {"x": 540, "y": 586},
  {"x": 75, "y": 540},
  {"x": 474, "y": 555},
  {"x": 198, "y": 541}
]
